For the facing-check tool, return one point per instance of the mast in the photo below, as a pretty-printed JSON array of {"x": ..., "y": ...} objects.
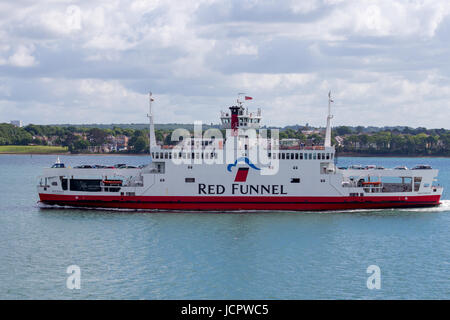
[
  {"x": 329, "y": 117},
  {"x": 152, "y": 140}
]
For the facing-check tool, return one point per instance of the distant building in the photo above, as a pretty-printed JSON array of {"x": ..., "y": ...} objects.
[
  {"x": 309, "y": 132},
  {"x": 289, "y": 142},
  {"x": 17, "y": 123}
]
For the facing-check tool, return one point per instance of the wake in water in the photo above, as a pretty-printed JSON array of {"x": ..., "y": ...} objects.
[{"x": 444, "y": 206}]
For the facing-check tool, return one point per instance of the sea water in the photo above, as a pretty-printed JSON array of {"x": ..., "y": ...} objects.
[{"x": 126, "y": 254}]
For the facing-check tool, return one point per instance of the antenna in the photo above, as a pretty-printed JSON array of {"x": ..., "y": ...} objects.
[
  {"x": 329, "y": 117},
  {"x": 239, "y": 101}
]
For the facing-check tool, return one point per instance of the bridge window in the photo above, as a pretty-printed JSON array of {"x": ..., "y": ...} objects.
[
  {"x": 295, "y": 180},
  {"x": 189, "y": 180}
]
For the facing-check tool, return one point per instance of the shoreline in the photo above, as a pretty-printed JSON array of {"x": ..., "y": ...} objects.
[{"x": 385, "y": 155}]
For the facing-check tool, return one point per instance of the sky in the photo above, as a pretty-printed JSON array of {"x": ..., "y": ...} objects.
[{"x": 93, "y": 61}]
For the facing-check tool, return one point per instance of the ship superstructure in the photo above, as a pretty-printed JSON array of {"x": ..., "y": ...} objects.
[{"x": 246, "y": 170}]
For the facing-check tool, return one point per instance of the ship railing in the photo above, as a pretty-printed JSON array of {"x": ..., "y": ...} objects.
[{"x": 263, "y": 146}]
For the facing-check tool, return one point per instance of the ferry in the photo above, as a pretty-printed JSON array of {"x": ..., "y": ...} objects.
[{"x": 246, "y": 171}]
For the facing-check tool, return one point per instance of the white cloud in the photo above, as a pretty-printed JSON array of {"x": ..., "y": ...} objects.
[
  {"x": 242, "y": 48},
  {"x": 22, "y": 57},
  {"x": 93, "y": 61}
]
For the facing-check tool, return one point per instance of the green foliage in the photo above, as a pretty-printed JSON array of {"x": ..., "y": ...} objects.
[
  {"x": 393, "y": 142},
  {"x": 11, "y": 135},
  {"x": 364, "y": 140},
  {"x": 140, "y": 145}
]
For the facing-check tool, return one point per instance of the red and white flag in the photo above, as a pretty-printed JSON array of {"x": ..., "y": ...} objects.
[{"x": 248, "y": 98}]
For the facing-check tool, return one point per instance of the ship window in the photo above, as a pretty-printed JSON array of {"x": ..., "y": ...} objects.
[
  {"x": 328, "y": 156},
  {"x": 417, "y": 181},
  {"x": 54, "y": 183},
  {"x": 295, "y": 180},
  {"x": 296, "y": 156},
  {"x": 283, "y": 156},
  {"x": 64, "y": 184},
  {"x": 314, "y": 156},
  {"x": 189, "y": 180},
  {"x": 269, "y": 155},
  {"x": 157, "y": 156},
  {"x": 161, "y": 156},
  {"x": 301, "y": 156},
  {"x": 310, "y": 156},
  {"x": 319, "y": 156},
  {"x": 89, "y": 185},
  {"x": 292, "y": 156}
]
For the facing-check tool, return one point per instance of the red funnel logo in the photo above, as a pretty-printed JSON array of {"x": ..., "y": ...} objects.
[{"x": 241, "y": 175}]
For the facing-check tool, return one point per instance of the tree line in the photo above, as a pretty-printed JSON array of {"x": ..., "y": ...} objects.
[{"x": 359, "y": 140}]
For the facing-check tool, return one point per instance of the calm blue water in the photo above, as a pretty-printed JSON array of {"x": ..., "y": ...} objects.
[{"x": 143, "y": 255}]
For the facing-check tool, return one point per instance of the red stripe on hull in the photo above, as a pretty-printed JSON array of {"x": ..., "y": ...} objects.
[{"x": 229, "y": 203}]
